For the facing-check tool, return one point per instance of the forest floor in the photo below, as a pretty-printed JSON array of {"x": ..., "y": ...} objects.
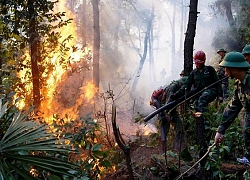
[{"x": 149, "y": 164}]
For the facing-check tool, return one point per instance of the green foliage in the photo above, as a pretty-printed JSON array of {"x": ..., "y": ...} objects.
[
  {"x": 14, "y": 46},
  {"x": 95, "y": 160},
  {"x": 236, "y": 36},
  {"x": 29, "y": 146},
  {"x": 185, "y": 155},
  {"x": 153, "y": 140},
  {"x": 29, "y": 150},
  {"x": 228, "y": 150}
]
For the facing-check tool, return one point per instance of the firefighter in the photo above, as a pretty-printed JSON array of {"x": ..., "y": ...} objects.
[
  {"x": 221, "y": 73},
  {"x": 246, "y": 52},
  {"x": 201, "y": 77},
  {"x": 161, "y": 97},
  {"x": 237, "y": 67}
]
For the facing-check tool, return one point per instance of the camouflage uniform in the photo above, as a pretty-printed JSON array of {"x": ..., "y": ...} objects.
[
  {"x": 241, "y": 99},
  {"x": 171, "y": 118},
  {"x": 201, "y": 79},
  {"x": 173, "y": 115}
]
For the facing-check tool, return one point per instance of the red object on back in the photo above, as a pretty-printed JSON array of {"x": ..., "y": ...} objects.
[{"x": 157, "y": 93}]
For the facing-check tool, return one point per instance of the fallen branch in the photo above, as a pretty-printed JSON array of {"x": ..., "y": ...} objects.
[{"x": 121, "y": 143}]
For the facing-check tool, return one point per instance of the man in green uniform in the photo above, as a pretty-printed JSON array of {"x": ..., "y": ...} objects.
[
  {"x": 161, "y": 97},
  {"x": 221, "y": 73},
  {"x": 246, "y": 52},
  {"x": 182, "y": 73},
  {"x": 237, "y": 67},
  {"x": 201, "y": 77}
]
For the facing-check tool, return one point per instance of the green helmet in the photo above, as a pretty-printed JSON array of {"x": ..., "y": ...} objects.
[
  {"x": 182, "y": 73},
  {"x": 182, "y": 80},
  {"x": 246, "y": 49},
  {"x": 234, "y": 59},
  {"x": 221, "y": 50}
]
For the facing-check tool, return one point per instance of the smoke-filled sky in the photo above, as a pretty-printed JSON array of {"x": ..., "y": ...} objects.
[
  {"x": 207, "y": 25},
  {"x": 125, "y": 64}
]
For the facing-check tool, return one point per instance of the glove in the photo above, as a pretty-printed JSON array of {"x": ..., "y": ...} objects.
[
  {"x": 174, "y": 96},
  {"x": 218, "y": 138}
]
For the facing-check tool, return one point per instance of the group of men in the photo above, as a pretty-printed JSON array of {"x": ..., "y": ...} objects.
[{"x": 212, "y": 85}]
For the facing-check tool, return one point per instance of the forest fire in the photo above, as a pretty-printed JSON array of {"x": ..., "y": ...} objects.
[
  {"x": 50, "y": 93},
  {"x": 89, "y": 91}
]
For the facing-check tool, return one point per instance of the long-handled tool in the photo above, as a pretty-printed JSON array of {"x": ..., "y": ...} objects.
[
  {"x": 208, "y": 150},
  {"x": 179, "y": 101}
]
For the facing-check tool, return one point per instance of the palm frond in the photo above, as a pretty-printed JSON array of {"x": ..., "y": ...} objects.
[
  {"x": 24, "y": 135},
  {"x": 29, "y": 135},
  {"x": 49, "y": 164}
]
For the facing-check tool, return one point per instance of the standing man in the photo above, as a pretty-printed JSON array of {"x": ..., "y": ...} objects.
[
  {"x": 237, "y": 67},
  {"x": 200, "y": 78},
  {"x": 221, "y": 73},
  {"x": 246, "y": 53}
]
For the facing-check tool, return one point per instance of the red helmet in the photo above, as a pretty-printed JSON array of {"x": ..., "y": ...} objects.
[{"x": 199, "y": 57}]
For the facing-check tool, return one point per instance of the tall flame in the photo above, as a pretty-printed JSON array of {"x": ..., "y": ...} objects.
[{"x": 86, "y": 91}]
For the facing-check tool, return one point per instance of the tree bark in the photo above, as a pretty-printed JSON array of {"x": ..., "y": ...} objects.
[
  {"x": 146, "y": 41},
  {"x": 96, "y": 48},
  {"x": 34, "y": 53},
  {"x": 189, "y": 38}
]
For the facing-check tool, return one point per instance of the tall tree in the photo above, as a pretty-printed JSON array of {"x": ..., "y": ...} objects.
[
  {"x": 31, "y": 28},
  {"x": 96, "y": 48},
  {"x": 149, "y": 21},
  {"x": 34, "y": 53},
  {"x": 224, "y": 7},
  {"x": 189, "y": 38},
  {"x": 235, "y": 36}
]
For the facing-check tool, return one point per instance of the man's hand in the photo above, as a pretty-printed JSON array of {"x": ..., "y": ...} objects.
[{"x": 218, "y": 138}]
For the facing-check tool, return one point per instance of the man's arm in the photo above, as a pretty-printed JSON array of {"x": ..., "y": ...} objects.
[{"x": 230, "y": 113}]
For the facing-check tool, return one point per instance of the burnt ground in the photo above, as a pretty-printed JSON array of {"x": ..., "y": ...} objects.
[{"x": 148, "y": 163}]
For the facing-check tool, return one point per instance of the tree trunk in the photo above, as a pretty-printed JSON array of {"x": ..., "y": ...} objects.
[
  {"x": 84, "y": 24},
  {"x": 151, "y": 52},
  {"x": 189, "y": 39},
  {"x": 229, "y": 14},
  {"x": 34, "y": 53},
  {"x": 96, "y": 48},
  {"x": 146, "y": 40}
]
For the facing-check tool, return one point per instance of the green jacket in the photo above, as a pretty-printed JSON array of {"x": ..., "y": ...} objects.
[
  {"x": 241, "y": 99},
  {"x": 172, "y": 88},
  {"x": 201, "y": 79}
]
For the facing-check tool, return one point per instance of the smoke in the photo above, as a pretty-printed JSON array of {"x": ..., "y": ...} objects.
[
  {"x": 123, "y": 61},
  {"x": 123, "y": 28}
]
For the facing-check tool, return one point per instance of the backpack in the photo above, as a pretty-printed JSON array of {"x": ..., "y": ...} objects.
[{"x": 158, "y": 96}]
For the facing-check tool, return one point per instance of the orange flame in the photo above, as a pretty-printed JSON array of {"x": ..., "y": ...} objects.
[
  {"x": 49, "y": 106},
  {"x": 89, "y": 92}
]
